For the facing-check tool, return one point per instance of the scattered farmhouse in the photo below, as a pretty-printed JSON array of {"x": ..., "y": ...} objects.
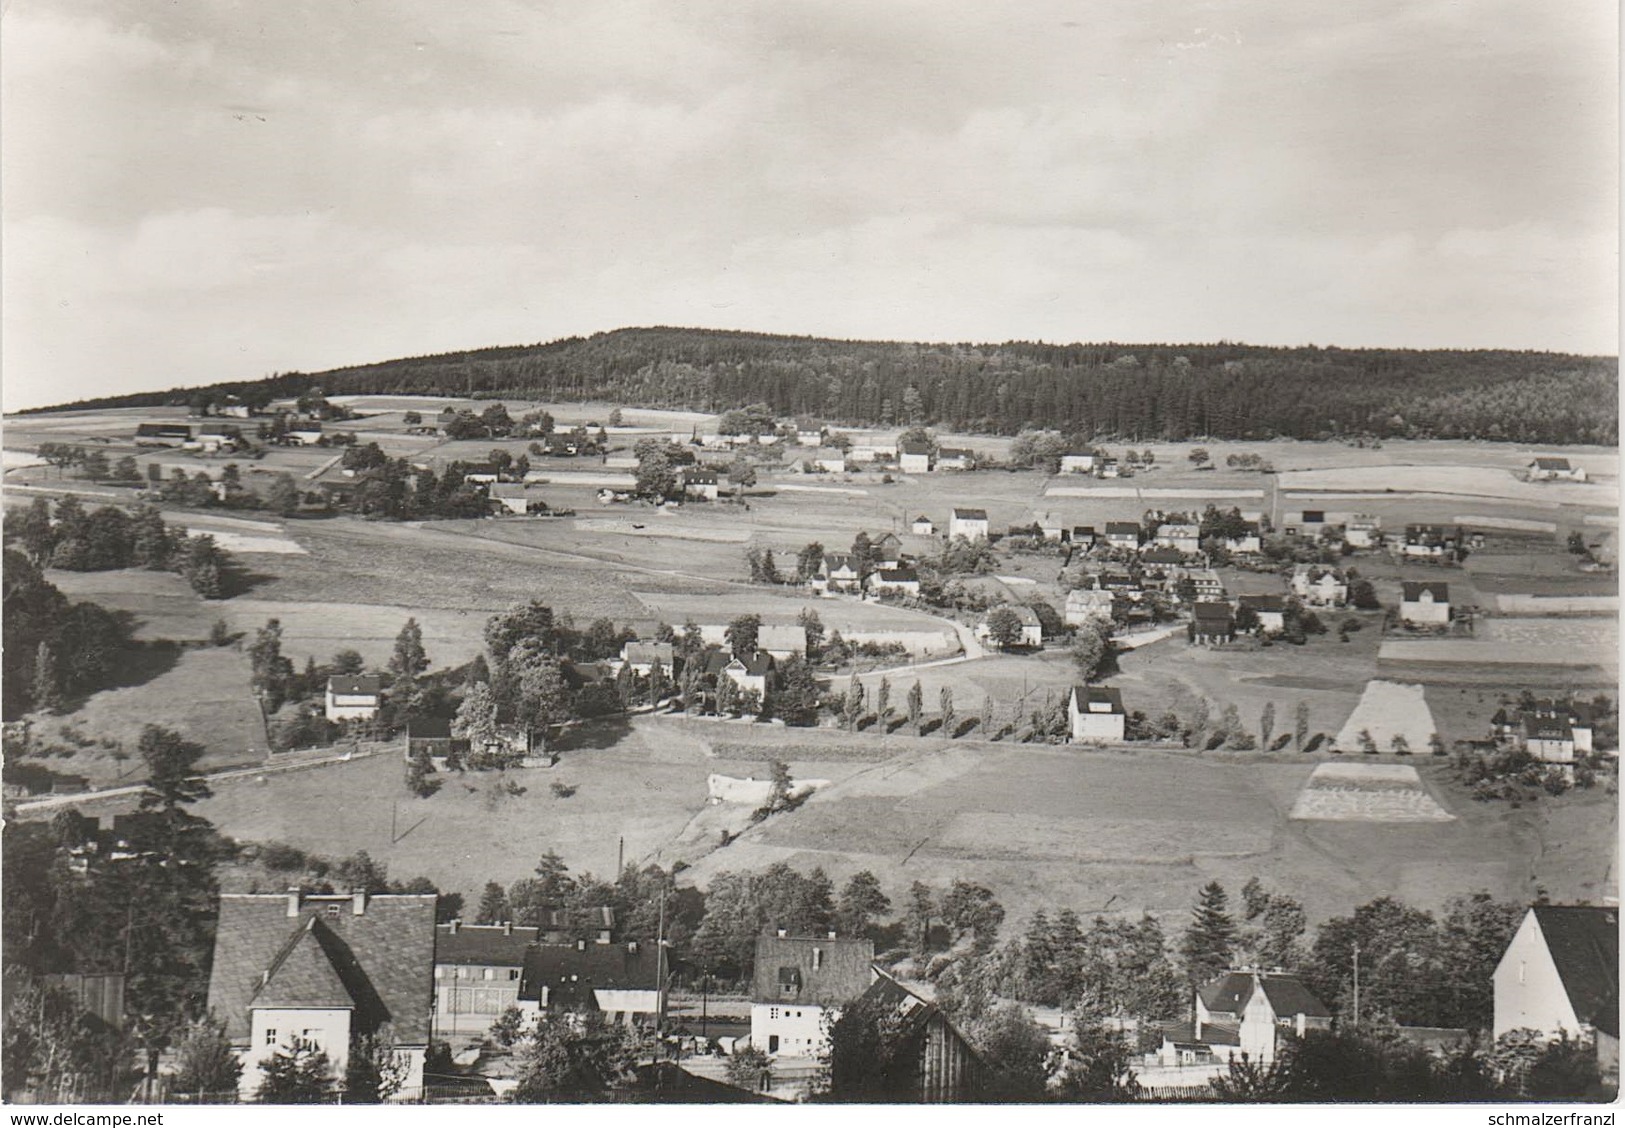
[
  {"x": 1319, "y": 586},
  {"x": 699, "y": 483},
  {"x": 1109, "y": 468},
  {"x": 809, "y": 431},
  {"x": 1576, "y": 715},
  {"x": 968, "y": 523},
  {"x": 888, "y": 551},
  {"x": 1431, "y": 542},
  {"x": 354, "y": 697},
  {"x": 215, "y": 437},
  {"x": 1544, "y": 469},
  {"x": 307, "y": 432},
  {"x": 839, "y": 572},
  {"x": 1424, "y": 604},
  {"x": 914, "y": 457},
  {"x": 162, "y": 434},
  {"x": 1547, "y": 737},
  {"x": 956, "y": 458},
  {"x": 476, "y": 973},
  {"x": 644, "y": 656},
  {"x": 895, "y": 581},
  {"x": 1363, "y": 530},
  {"x": 1270, "y": 609},
  {"x": 923, "y": 526},
  {"x": 1122, "y": 534},
  {"x": 798, "y": 979},
  {"x": 1247, "y": 543},
  {"x": 1243, "y": 1012},
  {"x": 747, "y": 671},
  {"x": 829, "y": 460},
  {"x": 1084, "y": 536},
  {"x": 1076, "y": 462},
  {"x": 431, "y": 736},
  {"x": 516, "y": 498},
  {"x": 295, "y": 970},
  {"x": 1207, "y": 583},
  {"x": 1212, "y": 624},
  {"x": 1167, "y": 560},
  {"x": 620, "y": 981},
  {"x": 1182, "y": 538},
  {"x": 1032, "y": 629},
  {"x": 1096, "y": 715},
  {"x": 1084, "y": 605},
  {"x": 1560, "y": 975}
]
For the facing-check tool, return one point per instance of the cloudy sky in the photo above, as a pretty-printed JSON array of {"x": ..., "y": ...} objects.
[{"x": 220, "y": 189}]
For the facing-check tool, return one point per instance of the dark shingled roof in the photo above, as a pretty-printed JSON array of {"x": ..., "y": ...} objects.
[
  {"x": 1212, "y": 613},
  {"x": 572, "y": 972},
  {"x": 361, "y": 685},
  {"x": 829, "y": 972},
  {"x": 1162, "y": 555},
  {"x": 1287, "y": 995},
  {"x": 964, "y": 514},
  {"x": 383, "y": 958},
  {"x": 1122, "y": 528},
  {"x": 1213, "y": 1034},
  {"x": 302, "y": 975},
  {"x": 1262, "y": 602},
  {"x": 1552, "y": 463},
  {"x": 1412, "y": 591},
  {"x": 483, "y": 945},
  {"x": 429, "y": 728},
  {"x": 1098, "y": 694},
  {"x": 1584, "y": 942}
]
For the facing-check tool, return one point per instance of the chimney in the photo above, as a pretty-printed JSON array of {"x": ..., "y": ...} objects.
[
  {"x": 507, "y": 928},
  {"x": 358, "y": 902},
  {"x": 456, "y": 925},
  {"x": 293, "y": 901}
]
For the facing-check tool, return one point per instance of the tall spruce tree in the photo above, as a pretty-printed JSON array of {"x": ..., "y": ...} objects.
[{"x": 1210, "y": 940}]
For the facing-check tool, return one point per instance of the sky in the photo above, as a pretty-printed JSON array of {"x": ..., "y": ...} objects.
[{"x": 212, "y": 190}]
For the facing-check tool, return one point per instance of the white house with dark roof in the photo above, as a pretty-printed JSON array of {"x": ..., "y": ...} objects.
[
  {"x": 1096, "y": 714},
  {"x": 1243, "y": 1012},
  {"x": 968, "y": 523},
  {"x": 476, "y": 973},
  {"x": 354, "y": 697},
  {"x": 1424, "y": 604},
  {"x": 1270, "y": 609},
  {"x": 1032, "y": 628},
  {"x": 516, "y": 498},
  {"x": 1087, "y": 605},
  {"x": 914, "y": 457},
  {"x": 700, "y": 484},
  {"x": 295, "y": 970},
  {"x": 895, "y": 581},
  {"x": 642, "y": 656},
  {"x": 1184, "y": 538},
  {"x": 1076, "y": 462},
  {"x": 829, "y": 460},
  {"x": 1547, "y": 737},
  {"x": 956, "y": 458},
  {"x": 1550, "y": 469},
  {"x": 1122, "y": 534},
  {"x": 923, "y": 526},
  {"x": 1560, "y": 975},
  {"x": 1319, "y": 586},
  {"x": 838, "y": 572},
  {"x": 797, "y": 980}
]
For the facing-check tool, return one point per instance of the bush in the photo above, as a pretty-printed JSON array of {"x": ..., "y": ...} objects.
[{"x": 1556, "y": 781}]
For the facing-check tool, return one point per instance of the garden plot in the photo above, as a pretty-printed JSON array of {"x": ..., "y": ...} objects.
[
  {"x": 1356, "y": 792},
  {"x": 1386, "y": 710}
]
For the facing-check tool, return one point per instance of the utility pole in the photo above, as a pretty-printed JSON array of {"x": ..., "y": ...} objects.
[
  {"x": 1356, "y": 984},
  {"x": 620, "y": 859}
]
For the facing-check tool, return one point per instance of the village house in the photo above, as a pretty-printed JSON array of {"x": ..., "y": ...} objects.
[
  {"x": 1209, "y": 587},
  {"x": 1363, "y": 530},
  {"x": 1319, "y": 586},
  {"x": 1544, "y": 469},
  {"x": 1096, "y": 714},
  {"x": 1049, "y": 526},
  {"x": 431, "y": 736},
  {"x": 1123, "y": 584},
  {"x": 304, "y": 433},
  {"x": 1122, "y": 534},
  {"x": 320, "y": 971},
  {"x": 697, "y": 483},
  {"x": 516, "y": 498},
  {"x": 1546, "y": 737},
  {"x": 968, "y": 523},
  {"x": 1424, "y": 604},
  {"x": 1243, "y": 1012},
  {"x": 1560, "y": 975},
  {"x": 1083, "y": 536},
  {"x": 213, "y": 438},
  {"x": 1249, "y": 543},
  {"x": 949, "y": 1069},
  {"x": 1087, "y": 606},
  {"x": 621, "y": 982},
  {"x": 1575, "y": 714},
  {"x": 354, "y": 697},
  {"x": 480, "y": 474},
  {"x": 1076, "y": 462},
  {"x": 1110, "y": 468},
  {"x": 1168, "y": 561},
  {"x": 895, "y": 581},
  {"x": 829, "y": 460},
  {"x": 923, "y": 526},
  {"x": 1182, "y": 538},
  {"x": 810, "y": 432},
  {"x": 476, "y": 973},
  {"x": 839, "y": 572},
  {"x": 956, "y": 458},
  {"x": 162, "y": 434},
  {"x": 1270, "y": 609},
  {"x": 888, "y": 551},
  {"x": 1032, "y": 629},
  {"x": 1212, "y": 624},
  {"x": 749, "y": 672},
  {"x": 1431, "y": 542},
  {"x": 798, "y": 979},
  {"x": 914, "y": 457},
  {"x": 643, "y": 656}
]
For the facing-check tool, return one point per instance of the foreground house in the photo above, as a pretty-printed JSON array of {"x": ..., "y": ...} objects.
[
  {"x": 431, "y": 736},
  {"x": 934, "y": 1064},
  {"x": 354, "y": 697},
  {"x": 321, "y": 971},
  {"x": 476, "y": 974},
  {"x": 799, "y": 979},
  {"x": 1576, "y": 715},
  {"x": 1244, "y": 1012},
  {"x": 1560, "y": 975},
  {"x": 1424, "y": 604},
  {"x": 700, "y": 484},
  {"x": 840, "y": 573},
  {"x": 1096, "y": 714}
]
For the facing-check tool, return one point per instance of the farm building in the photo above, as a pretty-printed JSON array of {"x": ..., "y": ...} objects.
[
  {"x": 748, "y": 672},
  {"x": 1319, "y": 586},
  {"x": 321, "y": 970},
  {"x": 888, "y": 551},
  {"x": 1363, "y": 531},
  {"x": 956, "y": 458},
  {"x": 1122, "y": 534},
  {"x": 1544, "y": 469},
  {"x": 516, "y": 498},
  {"x": 1212, "y": 624},
  {"x": 798, "y": 979},
  {"x": 1435, "y": 542},
  {"x": 431, "y": 736},
  {"x": 1249, "y": 543},
  {"x": 700, "y": 484},
  {"x": 1096, "y": 715},
  {"x": 1074, "y": 462},
  {"x": 809, "y": 431},
  {"x": 304, "y": 433},
  {"x": 1181, "y": 538},
  {"x": 620, "y": 981},
  {"x": 354, "y": 698},
  {"x": 968, "y": 523},
  {"x": 923, "y": 526},
  {"x": 1547, "y": 738},
  {"x": 914, "y": 457},
  {"x": 1110, "y": 468},
  {"x": 829, "y": 460},
  {"x": 1572, "y": 713},
  {"x": 839, "y": 572},
  {"x": 782, "y": 639},
  {"x": 1084, "y": 536},
  {"x": 1424, "y": 604},
  {"x": 214, "y": 437},
  {"x": 1560, "y": 975},
  {"x": 1270, "y": 610},
  {"x": 896, "y": 581},
  {"x": 1207, "y": 583},
  {"x": 643, "y": 656},
  {"x": 476, "y": 973},
  {"x": 162, "y": 434},
  {"x": 480, "y": 474},
  {"x": 948, "y": 1070},
  {"x": 1243, "y": 1012},
  {"x": 1032, "y": 629},
  {"x": 1087, "y": 606}
]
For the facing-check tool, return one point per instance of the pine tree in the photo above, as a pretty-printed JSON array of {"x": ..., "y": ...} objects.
[
  {"x": 409, "y": 659},
  {"x": 1266, "y": 725},
  {"x": 47, "y": 688},
  {"x": 883, "y": 703},
  {"x": 945, "y": 701},
  {"x": 1300, "y": 725},
  {"x": 916, "y": 707},
  {"x": 493, "y": 908},
  {"x": 1210, "y": 941}
]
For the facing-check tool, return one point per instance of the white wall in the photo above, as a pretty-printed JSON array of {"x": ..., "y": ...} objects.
[
  {"x": 1528, "y": 990},
  {"x": 799, "y": 1028},
  {"x": 272, "y": 1029}
]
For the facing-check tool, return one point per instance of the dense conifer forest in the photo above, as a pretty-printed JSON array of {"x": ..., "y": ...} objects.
[{"x": 1121, "y": 391}]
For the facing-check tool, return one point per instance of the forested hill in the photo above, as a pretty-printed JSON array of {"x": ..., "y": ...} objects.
[{"x": 1124, "y": 391}]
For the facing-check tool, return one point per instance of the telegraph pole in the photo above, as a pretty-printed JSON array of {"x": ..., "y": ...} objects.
[{"x": 1356, "y": 984}]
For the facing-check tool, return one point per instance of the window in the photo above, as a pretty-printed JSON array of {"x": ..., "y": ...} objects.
[
  {"x": 270, "y": 1037},
  {"x": 332, "y": 910},
  {"x": 1522, "y": 967},
  {"x": 773, "y": 1013},
  {"x": 490, "y": 973},
  {"x": 818, "y": 958},
  {"x": 772, "y": 1043},
  {"x": 439, "y": 971},
  {"x": 513, "y": 973}
]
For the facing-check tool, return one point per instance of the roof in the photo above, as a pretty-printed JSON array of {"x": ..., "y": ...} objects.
[
  {"x": 1213, "y": 1034},
  {"x": 163, "y": 429},
  {"x": 829, "y": 453},
  {"x": 1576, "y": 713},
  {"x": 922, "y": 519},
  {"x": 1287, "y": 995},
  {"x": 383, "y": 958},
  {"x": 430, "y": 728},
  {"x": 1584, "y": 943},
  {"x": 699, "y": 477},
  {"x": 1178, "y": 531},
  {"x": 913, "y": 446},
  {"x": 355, "y": 685},
  {"x": 1264, "y": 603},
  {"x": 827, "y": 971},
  {"x": 1027, "y": 616},
  {"x": 501, "y": 490},
  {"x": 1122, "y": 528},
  {"x": 1162, "y": 555},
  {"x": 1088, "y": 597},
  {"x": 1412, "y": 591},
  {"x": 961, "y": 514},
  {"x": 305, "y": 425},
  {"x": 572, "y": 972},
  {"x": 1537, "y": 726},
  {"x": 483, "y": 945},
  {"x": 641, "y": 652},
  {"x": 835, "y": 561},
  {"x": 1098, "y": 694},
  {"x": 1552, "y": 463},
  {"x": 756, "y": 665},
  {"x": 954, "y": 452},
  {"x": 1212, "y": 611},
  {"x": 898, "y": 576}
]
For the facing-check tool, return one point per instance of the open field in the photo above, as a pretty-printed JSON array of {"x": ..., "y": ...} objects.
[
  {"x": 1507, "y": 645},
  {"x": 1459, "y": 480},
  {"x": 1388, "y": 710},
  {"x": 1361, "y": 792}
]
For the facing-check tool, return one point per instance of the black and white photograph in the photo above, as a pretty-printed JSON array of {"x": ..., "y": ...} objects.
[{"x": 617, "y": 552}]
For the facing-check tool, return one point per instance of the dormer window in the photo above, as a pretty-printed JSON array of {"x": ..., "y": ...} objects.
[{"x": 332, "y": 910}]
